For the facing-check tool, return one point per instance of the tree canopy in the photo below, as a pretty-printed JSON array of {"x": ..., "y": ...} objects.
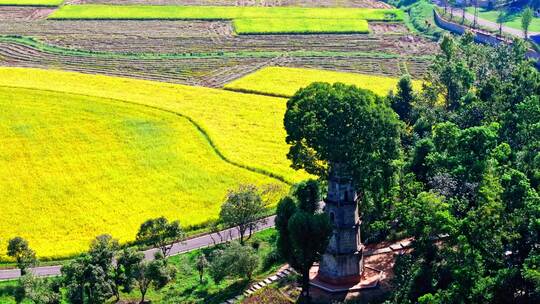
[{"x": 470, "y": 177}]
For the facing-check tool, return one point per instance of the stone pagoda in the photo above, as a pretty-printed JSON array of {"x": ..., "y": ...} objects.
[{"x": 342, "y": 263}]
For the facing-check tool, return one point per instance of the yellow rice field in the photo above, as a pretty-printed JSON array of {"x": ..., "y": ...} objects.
[
  {"x": 88, "y": 154},
  {"x": 284, "y": 82},
  {"x": 84, "y": 155}
]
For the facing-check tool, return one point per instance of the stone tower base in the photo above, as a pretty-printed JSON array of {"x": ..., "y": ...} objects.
[{"x": 369, "y": 279}]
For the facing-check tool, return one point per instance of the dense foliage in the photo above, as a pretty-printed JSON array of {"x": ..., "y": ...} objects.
[
  {"x": 341, "y": 124},
  {"x": 303, "y": 230},
  {"x": 460, "y": 173},
  {"x": 469, "y": 190}
]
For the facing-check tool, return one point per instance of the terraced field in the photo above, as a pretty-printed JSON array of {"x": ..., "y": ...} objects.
[
  {"x": 31, "y": 2},
  {"x": 388, "y": 50},
  {"x": 301, "y": 3},
  {"x": 142, "y": 148},
  {"x": 284, "y": 82},
  {"x": 181, "y": 12}
]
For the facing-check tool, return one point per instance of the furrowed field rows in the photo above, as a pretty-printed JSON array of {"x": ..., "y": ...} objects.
[
  {"x": 304, "y": 3},
  {"x": 202, "y": 71},
  {"x": 197, "y": 36},
  {"x": 16, "y": 14}
]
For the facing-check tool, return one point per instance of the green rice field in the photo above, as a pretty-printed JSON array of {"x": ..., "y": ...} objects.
[
  {"x": 300, "y": 26},
  {"x": 31, "y": 2},
  {"x": 220, "y": 12}
]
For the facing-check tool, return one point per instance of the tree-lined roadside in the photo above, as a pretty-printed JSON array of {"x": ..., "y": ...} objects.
[
  {"x": 202, "y": 241},
  {"x": 459, "y": 14}
]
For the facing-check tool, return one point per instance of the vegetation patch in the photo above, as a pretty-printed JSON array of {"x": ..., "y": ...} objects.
[
  {"x": 300, "y": 26},
  {"x": 31, "y": 2},
  {"x": 284, "y": 82},
  {"x": 189, "y": 285}
]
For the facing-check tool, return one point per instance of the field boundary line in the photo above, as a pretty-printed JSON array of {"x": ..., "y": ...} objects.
[{"x": 199, "y": 127}]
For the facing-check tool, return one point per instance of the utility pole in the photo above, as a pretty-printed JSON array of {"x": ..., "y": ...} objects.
[{"x": 475, "y": 13}]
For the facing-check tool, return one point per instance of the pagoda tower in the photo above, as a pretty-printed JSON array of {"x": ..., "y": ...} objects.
[{"x": 342, "y": 263}]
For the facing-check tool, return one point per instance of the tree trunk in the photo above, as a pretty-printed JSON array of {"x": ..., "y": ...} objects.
[
  {"x": 475, "y": 13},
  {"x": 241, "y": 231},
  {"x": 143, "y": 294},
  {"x": 200, "y": 276},
  {"x": 305, "y": 286},
  {"x": 116, "y": 293}
]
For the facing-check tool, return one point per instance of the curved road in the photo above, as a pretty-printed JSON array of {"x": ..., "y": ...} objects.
[
  {"x": 485, "y": 23},
  {"x": 178, "y": 248}
]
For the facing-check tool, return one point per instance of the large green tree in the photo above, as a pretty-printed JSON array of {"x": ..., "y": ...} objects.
[
  {"x": 526, "y": 18},
  {"x": 309, "y": 236},
  {"x": 22, "y": 253},
  {"x": 337, "y": 123},
  {"x": 243, "y": 210},
  {"x": 89, "y": 278},
  {"x": 341, "y": 124},
  {"x": 161, "y": 233}
]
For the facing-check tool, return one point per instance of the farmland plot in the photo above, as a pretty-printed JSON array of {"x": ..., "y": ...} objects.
[
  {"x": 31, "y": 2},
  {"x": 172, "y": 12},
  {"x": 212, "y": 71},
  {"x": 285, "y": 82},
  {"x": 169, "y": 37},
  {"x": 80, "y": 166},
  {"x": 146, "y": 41},
  {"x": 246, "y": 19},
  {"x": 124, "y": 142}
]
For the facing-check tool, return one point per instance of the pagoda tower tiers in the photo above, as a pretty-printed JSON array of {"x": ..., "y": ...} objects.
[{"x": 342, "y": 263}]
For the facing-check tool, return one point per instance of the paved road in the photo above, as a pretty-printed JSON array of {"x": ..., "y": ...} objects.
[
  {"x": 178, "y": 248},
  {"x": 486, "y": 23}
]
